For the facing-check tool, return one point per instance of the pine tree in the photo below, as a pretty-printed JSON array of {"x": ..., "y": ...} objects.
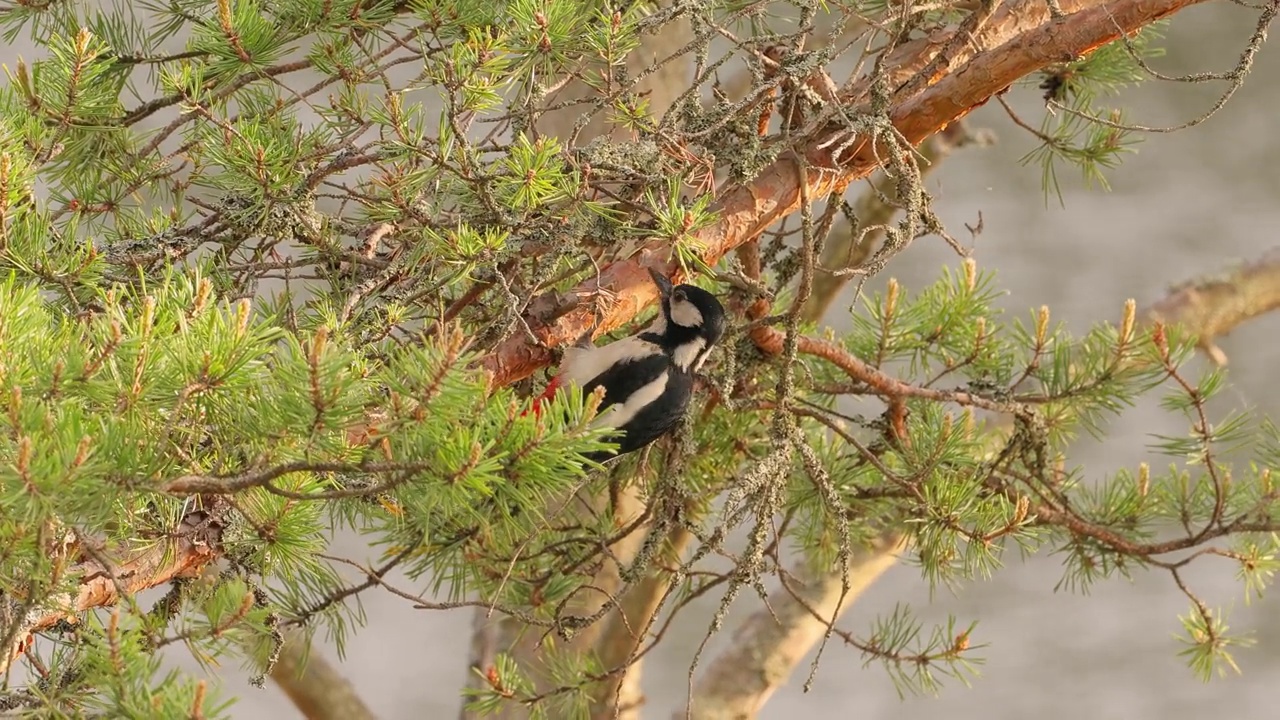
[{"x": 272, "y": 271}]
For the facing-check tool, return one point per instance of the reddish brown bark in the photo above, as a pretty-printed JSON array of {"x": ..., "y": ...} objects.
[
  {"x": 101, "y": 583},
  {"x": 1016, "y": 41}
]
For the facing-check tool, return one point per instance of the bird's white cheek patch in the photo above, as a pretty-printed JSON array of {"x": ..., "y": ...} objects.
[
  {"x": 622, "y": 413},
  {"x": 686, "y": 314},
  {"x": 687, "y": 355}
]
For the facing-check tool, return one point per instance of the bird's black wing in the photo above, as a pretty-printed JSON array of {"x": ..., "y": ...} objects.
[{"x": 622, "y": 380}]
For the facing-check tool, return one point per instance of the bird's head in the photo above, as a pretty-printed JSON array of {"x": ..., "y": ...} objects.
[{"x": 692, "y": 320}]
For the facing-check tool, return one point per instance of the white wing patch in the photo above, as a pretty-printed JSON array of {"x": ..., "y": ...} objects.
[
  {"x": 690, "y": 355},
  {"x": 620, "y": 414},
  {"x": 582, "y": 365}
]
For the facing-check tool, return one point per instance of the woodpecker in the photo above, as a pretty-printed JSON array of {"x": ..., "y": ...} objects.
[{"x": 647, "y": 377}]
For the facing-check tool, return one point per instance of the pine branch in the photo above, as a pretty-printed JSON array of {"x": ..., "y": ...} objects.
[
  {"x": 1012, "y": 42},
  {"x": 764, "y": 653},
  {"x": 770, "y": 340},
  {"x": 1017, "y": 48}
]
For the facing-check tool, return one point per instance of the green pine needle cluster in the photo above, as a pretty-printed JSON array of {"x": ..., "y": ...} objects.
[{"x": 1071, "y": 92}]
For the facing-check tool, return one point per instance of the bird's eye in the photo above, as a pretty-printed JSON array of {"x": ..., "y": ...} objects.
[{"x": 678, "y": 296}]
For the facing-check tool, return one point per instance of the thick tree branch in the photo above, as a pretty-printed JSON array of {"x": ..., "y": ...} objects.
[
  {"x": 769, "y": 644},
  {"x": 314, "y": 685},
  {"x": 1213, "y": 305},
  {"x": 1018, "y": 49},
  {"x": 103, "y": 580},
  {"x": 1013, "y": 18}
]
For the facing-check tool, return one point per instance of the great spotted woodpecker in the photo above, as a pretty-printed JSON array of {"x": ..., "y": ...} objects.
[{"x": 647, "y": 377}]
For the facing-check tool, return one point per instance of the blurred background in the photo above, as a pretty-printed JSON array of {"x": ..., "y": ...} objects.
[{"x": 1188, "y": 203}]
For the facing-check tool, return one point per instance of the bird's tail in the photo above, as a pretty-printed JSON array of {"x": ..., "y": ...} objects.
[{"x": 553, "y": 386}]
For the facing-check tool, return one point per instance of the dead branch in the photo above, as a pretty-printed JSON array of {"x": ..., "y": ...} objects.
[
  {"x": 628, "y": 628},
  {"x": 848, "y": 247}
]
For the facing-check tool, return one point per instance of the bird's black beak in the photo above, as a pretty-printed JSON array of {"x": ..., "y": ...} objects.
[{"x": 663, "y": 283}]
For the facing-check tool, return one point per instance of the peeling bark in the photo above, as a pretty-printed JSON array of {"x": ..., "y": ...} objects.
[{"x": 103, "y": 579}]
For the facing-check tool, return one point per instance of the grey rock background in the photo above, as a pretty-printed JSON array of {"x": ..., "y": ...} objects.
[{"x": 1187, "y": 203}]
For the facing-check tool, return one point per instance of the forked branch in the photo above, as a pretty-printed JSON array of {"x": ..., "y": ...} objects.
[{"x": 1015, "y": 42}]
